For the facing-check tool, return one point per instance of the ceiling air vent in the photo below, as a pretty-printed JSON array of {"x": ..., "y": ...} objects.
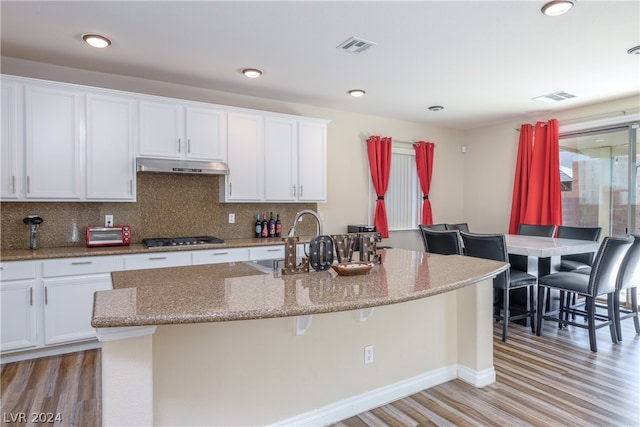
[
  {"x": 355, "y": 45},
  {"x": 554, "y": 97}
]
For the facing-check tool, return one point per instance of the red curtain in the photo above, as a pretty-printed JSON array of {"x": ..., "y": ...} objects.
[
  {"x": 379, "y": 151},
  {"x": 536, "y": 194},
  {"x": 424, "y": 164}
]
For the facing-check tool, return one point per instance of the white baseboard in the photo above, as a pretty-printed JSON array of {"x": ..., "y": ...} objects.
[
  {"x": 48, "y": 351},
  {"x": 347, "y": 408}
]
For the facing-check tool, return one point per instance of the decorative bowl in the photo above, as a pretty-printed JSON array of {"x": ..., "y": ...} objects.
[{"x": 351, "y": 268}]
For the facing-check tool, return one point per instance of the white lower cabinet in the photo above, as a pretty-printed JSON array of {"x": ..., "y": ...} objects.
[
  {"x": 68, "y": 306},
  {"x": 18, "y": 329},
  {"x": 157, "y": 260},
  {"x": 217, "y": 256}
]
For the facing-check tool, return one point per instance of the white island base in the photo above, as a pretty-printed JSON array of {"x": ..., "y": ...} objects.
[{"x": 259, "y": 372}]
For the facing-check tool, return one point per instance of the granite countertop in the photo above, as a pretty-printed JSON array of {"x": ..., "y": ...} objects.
[
  {"x": 83, "y": 251},
  {"x": 238, "y": 291}
]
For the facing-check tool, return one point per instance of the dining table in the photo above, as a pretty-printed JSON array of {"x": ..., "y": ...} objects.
[{"x": 540, "y": 256}]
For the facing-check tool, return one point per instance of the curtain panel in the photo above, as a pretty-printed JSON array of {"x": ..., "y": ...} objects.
[
  {"x": 424, "y": 164},
  {"x": 536, "y": 189},
  {"x": 379, "y": 152}
]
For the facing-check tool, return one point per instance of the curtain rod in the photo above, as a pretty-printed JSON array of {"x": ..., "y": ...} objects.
[{"x": 597, "y": 116}]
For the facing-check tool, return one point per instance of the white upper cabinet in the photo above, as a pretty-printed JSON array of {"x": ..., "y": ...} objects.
[
  {"x": 245, "y": 181},
  {"x": 11, "y": 173},
  {"x": 312, "y": 161},
  {"x": 54, "y": 163},
  {"x": 182, "y": 131},
  {"x": 110, "y": 144},
  {"x": 206, "y": 134},
  {"x": 281, "y": 159},
  {"x": 295, "y": 155}
]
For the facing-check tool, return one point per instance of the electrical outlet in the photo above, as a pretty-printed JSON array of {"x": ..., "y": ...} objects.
[
  {"x": 232, "y": 218},
  {"x": 368, "y": 354},
  {"x": 108, "y": 220}
]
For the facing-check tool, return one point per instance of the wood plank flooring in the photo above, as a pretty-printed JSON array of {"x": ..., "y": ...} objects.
[
  {"x": 553, "y": 380},
  {"x": 67, "y": 386}
]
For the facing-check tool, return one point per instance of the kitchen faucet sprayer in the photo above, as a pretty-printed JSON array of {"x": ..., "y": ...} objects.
[{"x": 292, "y": 231}]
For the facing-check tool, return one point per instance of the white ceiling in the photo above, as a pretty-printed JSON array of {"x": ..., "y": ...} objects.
[{"x": 482, "y": 60}]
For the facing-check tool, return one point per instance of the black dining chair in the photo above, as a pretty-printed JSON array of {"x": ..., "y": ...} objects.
[
  {"x": 494, "y": 246},
  {"x": 628, "y": 280},
  {"x": 577, "y": 261},
  {"x": 437, "y": 227},
  {"x": 461, "y": 226},
  {"x": 601, "y": 281},
  {"x": 445, "y": 242},
  {"x": 537, "y": 230}
]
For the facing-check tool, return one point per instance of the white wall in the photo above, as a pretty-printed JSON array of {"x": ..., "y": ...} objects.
[{"x": 489, "y": 163}]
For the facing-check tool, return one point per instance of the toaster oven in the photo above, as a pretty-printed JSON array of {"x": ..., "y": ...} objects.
[{"x": 119, "y": 235}]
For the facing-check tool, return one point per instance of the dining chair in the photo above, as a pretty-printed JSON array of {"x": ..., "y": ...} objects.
[
  {"x": 437, "y": 227},
  {"x": 445, "y": 242},
  {"x": 577, "y": 261},
  {"x": 537, "y": 230},
  {"x": 628, "y": 280},
  {"x": 461, "y": 226},
  {"x": 601, "y": 281},
  {"x": 494, "y": 246}
]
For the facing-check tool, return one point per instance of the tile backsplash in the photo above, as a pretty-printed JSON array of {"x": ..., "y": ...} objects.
[{"x": 168, "y": 205}]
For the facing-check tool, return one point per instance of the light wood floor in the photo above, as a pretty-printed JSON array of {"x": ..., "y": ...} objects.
[{"x": 552, "y": 380}]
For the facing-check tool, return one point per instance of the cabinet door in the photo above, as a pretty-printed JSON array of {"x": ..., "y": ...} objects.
[
  {"x": 110, "y": 161},
  {"x": 281, "y": 159},
  {"x": 68, "y": 307},
  {"x": 161, "y": 129},
  {"x": 10, "y": 155},
  {"x": 17, "y": 306},
  {"x": 245, "y": 181},
  {"x": 53, "y": 144},
  {"x": 206, "y": 134},
  {"x": 312, "y": 162}
]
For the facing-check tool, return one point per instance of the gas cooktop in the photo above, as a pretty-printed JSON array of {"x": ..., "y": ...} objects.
[{"x": 158, "y": 242}]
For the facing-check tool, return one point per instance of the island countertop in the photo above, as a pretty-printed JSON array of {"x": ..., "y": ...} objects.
[{"x": 239, "y": 291}]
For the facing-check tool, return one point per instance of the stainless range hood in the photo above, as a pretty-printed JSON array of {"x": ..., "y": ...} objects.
[{"x": 181, "y": 166}]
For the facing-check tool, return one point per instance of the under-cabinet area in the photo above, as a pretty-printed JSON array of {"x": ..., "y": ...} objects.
[
  {"x": 47, "y": 303},
  {"x": 71, "y": 143}
]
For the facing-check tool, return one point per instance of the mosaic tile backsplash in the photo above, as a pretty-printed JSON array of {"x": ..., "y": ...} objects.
[{"x": 168, "y": 205}]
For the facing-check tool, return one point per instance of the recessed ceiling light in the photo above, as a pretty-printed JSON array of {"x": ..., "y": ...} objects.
[
  {"x": 634, "y": 50},
  {"x": 356, "y": 93},
  {"x": 252, "y": 73},
  {"x": 96, "y": 40},
  {"x": 557, "y": 7},
  {"x": 436, "y": 108}
]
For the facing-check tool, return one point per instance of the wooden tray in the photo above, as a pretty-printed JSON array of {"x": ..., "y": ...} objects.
[{"x": 351, "y": 268}]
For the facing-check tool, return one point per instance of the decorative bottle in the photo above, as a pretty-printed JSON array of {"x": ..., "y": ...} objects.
[{"x": 258, "y": 227}]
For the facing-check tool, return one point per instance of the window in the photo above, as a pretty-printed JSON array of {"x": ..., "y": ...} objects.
[{"x": 403, "y": 198}]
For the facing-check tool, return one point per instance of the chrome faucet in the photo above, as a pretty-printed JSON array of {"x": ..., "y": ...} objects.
[{"x": 292, "y": 231}]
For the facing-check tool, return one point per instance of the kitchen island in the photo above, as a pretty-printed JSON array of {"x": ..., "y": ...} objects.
[{"x": 229, "y": 344}]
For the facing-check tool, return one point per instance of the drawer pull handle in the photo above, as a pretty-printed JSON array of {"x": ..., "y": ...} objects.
[
  {"x": 274, "y": 250},
  {"x": 30, "y": 296},
  {"x": 157, "y": 258},
  {"x": 81, "y": 262},
  {"x": 46, "y": 296},
  {"x": 220, "y": 253}
]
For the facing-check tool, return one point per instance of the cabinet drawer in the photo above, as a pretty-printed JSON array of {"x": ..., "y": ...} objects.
[
  {"x": 266, "y": 252},
  {"x": 157, "y": 260},
  {"x": 17, "y": 270},
  {"x": 217, "y": 256},
  {"x": 84, "y": 265}
]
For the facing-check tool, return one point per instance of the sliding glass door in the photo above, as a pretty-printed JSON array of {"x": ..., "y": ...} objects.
[
  {"x": 599, "y": 173},
  {"x": 600, "y": 178}
]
